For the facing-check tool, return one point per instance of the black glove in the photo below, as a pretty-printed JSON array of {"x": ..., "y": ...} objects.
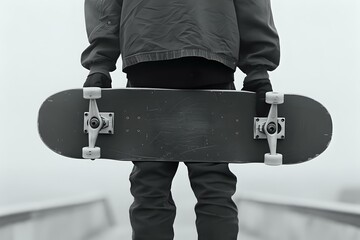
[
  {"x": 98, "y": 80},
  {"x": 260, "y": 87}
]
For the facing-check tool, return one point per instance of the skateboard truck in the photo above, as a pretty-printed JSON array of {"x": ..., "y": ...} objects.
[
  {"x": 271, "y": 128},
  {"x": 95, "y": 123}
]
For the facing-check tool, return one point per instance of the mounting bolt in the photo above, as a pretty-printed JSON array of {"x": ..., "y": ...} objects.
[
  {"x": 271, "y": 128},
  {"x": 94, "y": 122}
]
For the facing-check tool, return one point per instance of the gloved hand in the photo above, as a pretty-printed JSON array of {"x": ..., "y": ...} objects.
[
  {"x": 260, "y": 87},
  {"x": 98, "y": 80}
]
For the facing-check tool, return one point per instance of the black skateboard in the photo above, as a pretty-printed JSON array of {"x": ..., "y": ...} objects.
[{"x": 183, "y": 125}]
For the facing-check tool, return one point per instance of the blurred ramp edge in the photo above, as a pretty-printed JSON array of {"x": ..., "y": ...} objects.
[
  {"x": 282, "y": 218},
  {"x": 76, "y": 218}
]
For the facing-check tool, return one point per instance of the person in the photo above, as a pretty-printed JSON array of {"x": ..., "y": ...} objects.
[{"x": 182, "y": 44}]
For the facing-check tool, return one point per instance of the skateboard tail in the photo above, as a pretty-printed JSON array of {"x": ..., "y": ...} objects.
[{"x": 60, "y": 122}]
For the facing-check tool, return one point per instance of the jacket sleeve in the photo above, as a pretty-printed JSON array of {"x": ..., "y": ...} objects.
[
  {"x": 259, "y": 40},
  {"x": 102, "y": 20}
]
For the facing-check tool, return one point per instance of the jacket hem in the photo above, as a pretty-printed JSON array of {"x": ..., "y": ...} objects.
[{"x": 169, "y": 55}]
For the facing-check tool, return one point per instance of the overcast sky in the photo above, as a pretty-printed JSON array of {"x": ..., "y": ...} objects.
[{"x": 41, "y": 42}]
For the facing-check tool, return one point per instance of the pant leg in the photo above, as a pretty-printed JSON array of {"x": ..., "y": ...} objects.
[
  {"x": 153, "y": 211},
  {"x": 214, "y": 185},
  {"x": 216, "y": 213}
]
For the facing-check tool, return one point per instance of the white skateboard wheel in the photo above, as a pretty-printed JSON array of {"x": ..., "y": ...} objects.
[
  {"x": 274, "y": 98},
  {"x": 92, "y": 92},
  {"x": 91, "y": 153},
  {"x": 273, "y": 160}
]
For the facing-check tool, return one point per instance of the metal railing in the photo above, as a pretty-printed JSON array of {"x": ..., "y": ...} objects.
[
  {"x": 282, "y": 218},
  {"x": 335, "y": 211},
  {"x": 74, "y": 218}
]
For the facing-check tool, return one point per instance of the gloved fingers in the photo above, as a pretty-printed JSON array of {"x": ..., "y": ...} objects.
[
  {"x": 260, "y": 87},
  {"x": 262, "y": 108},
  {"x": 97, "y": 80}
]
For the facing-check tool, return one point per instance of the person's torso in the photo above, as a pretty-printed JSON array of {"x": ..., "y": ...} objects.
[{"x": 168, "y": 29}]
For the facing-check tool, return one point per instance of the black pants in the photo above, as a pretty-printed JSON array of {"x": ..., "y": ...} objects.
[{"x": 152, "y": 213}]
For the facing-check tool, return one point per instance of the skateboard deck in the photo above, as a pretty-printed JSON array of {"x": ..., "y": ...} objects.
[{"x": 183, "y": 125}]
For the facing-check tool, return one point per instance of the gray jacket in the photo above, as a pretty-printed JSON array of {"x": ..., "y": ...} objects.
[{"x": 234, "y": 32}]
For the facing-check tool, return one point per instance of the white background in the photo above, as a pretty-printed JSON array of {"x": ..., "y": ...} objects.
[{"x": 40, "y": 46}]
